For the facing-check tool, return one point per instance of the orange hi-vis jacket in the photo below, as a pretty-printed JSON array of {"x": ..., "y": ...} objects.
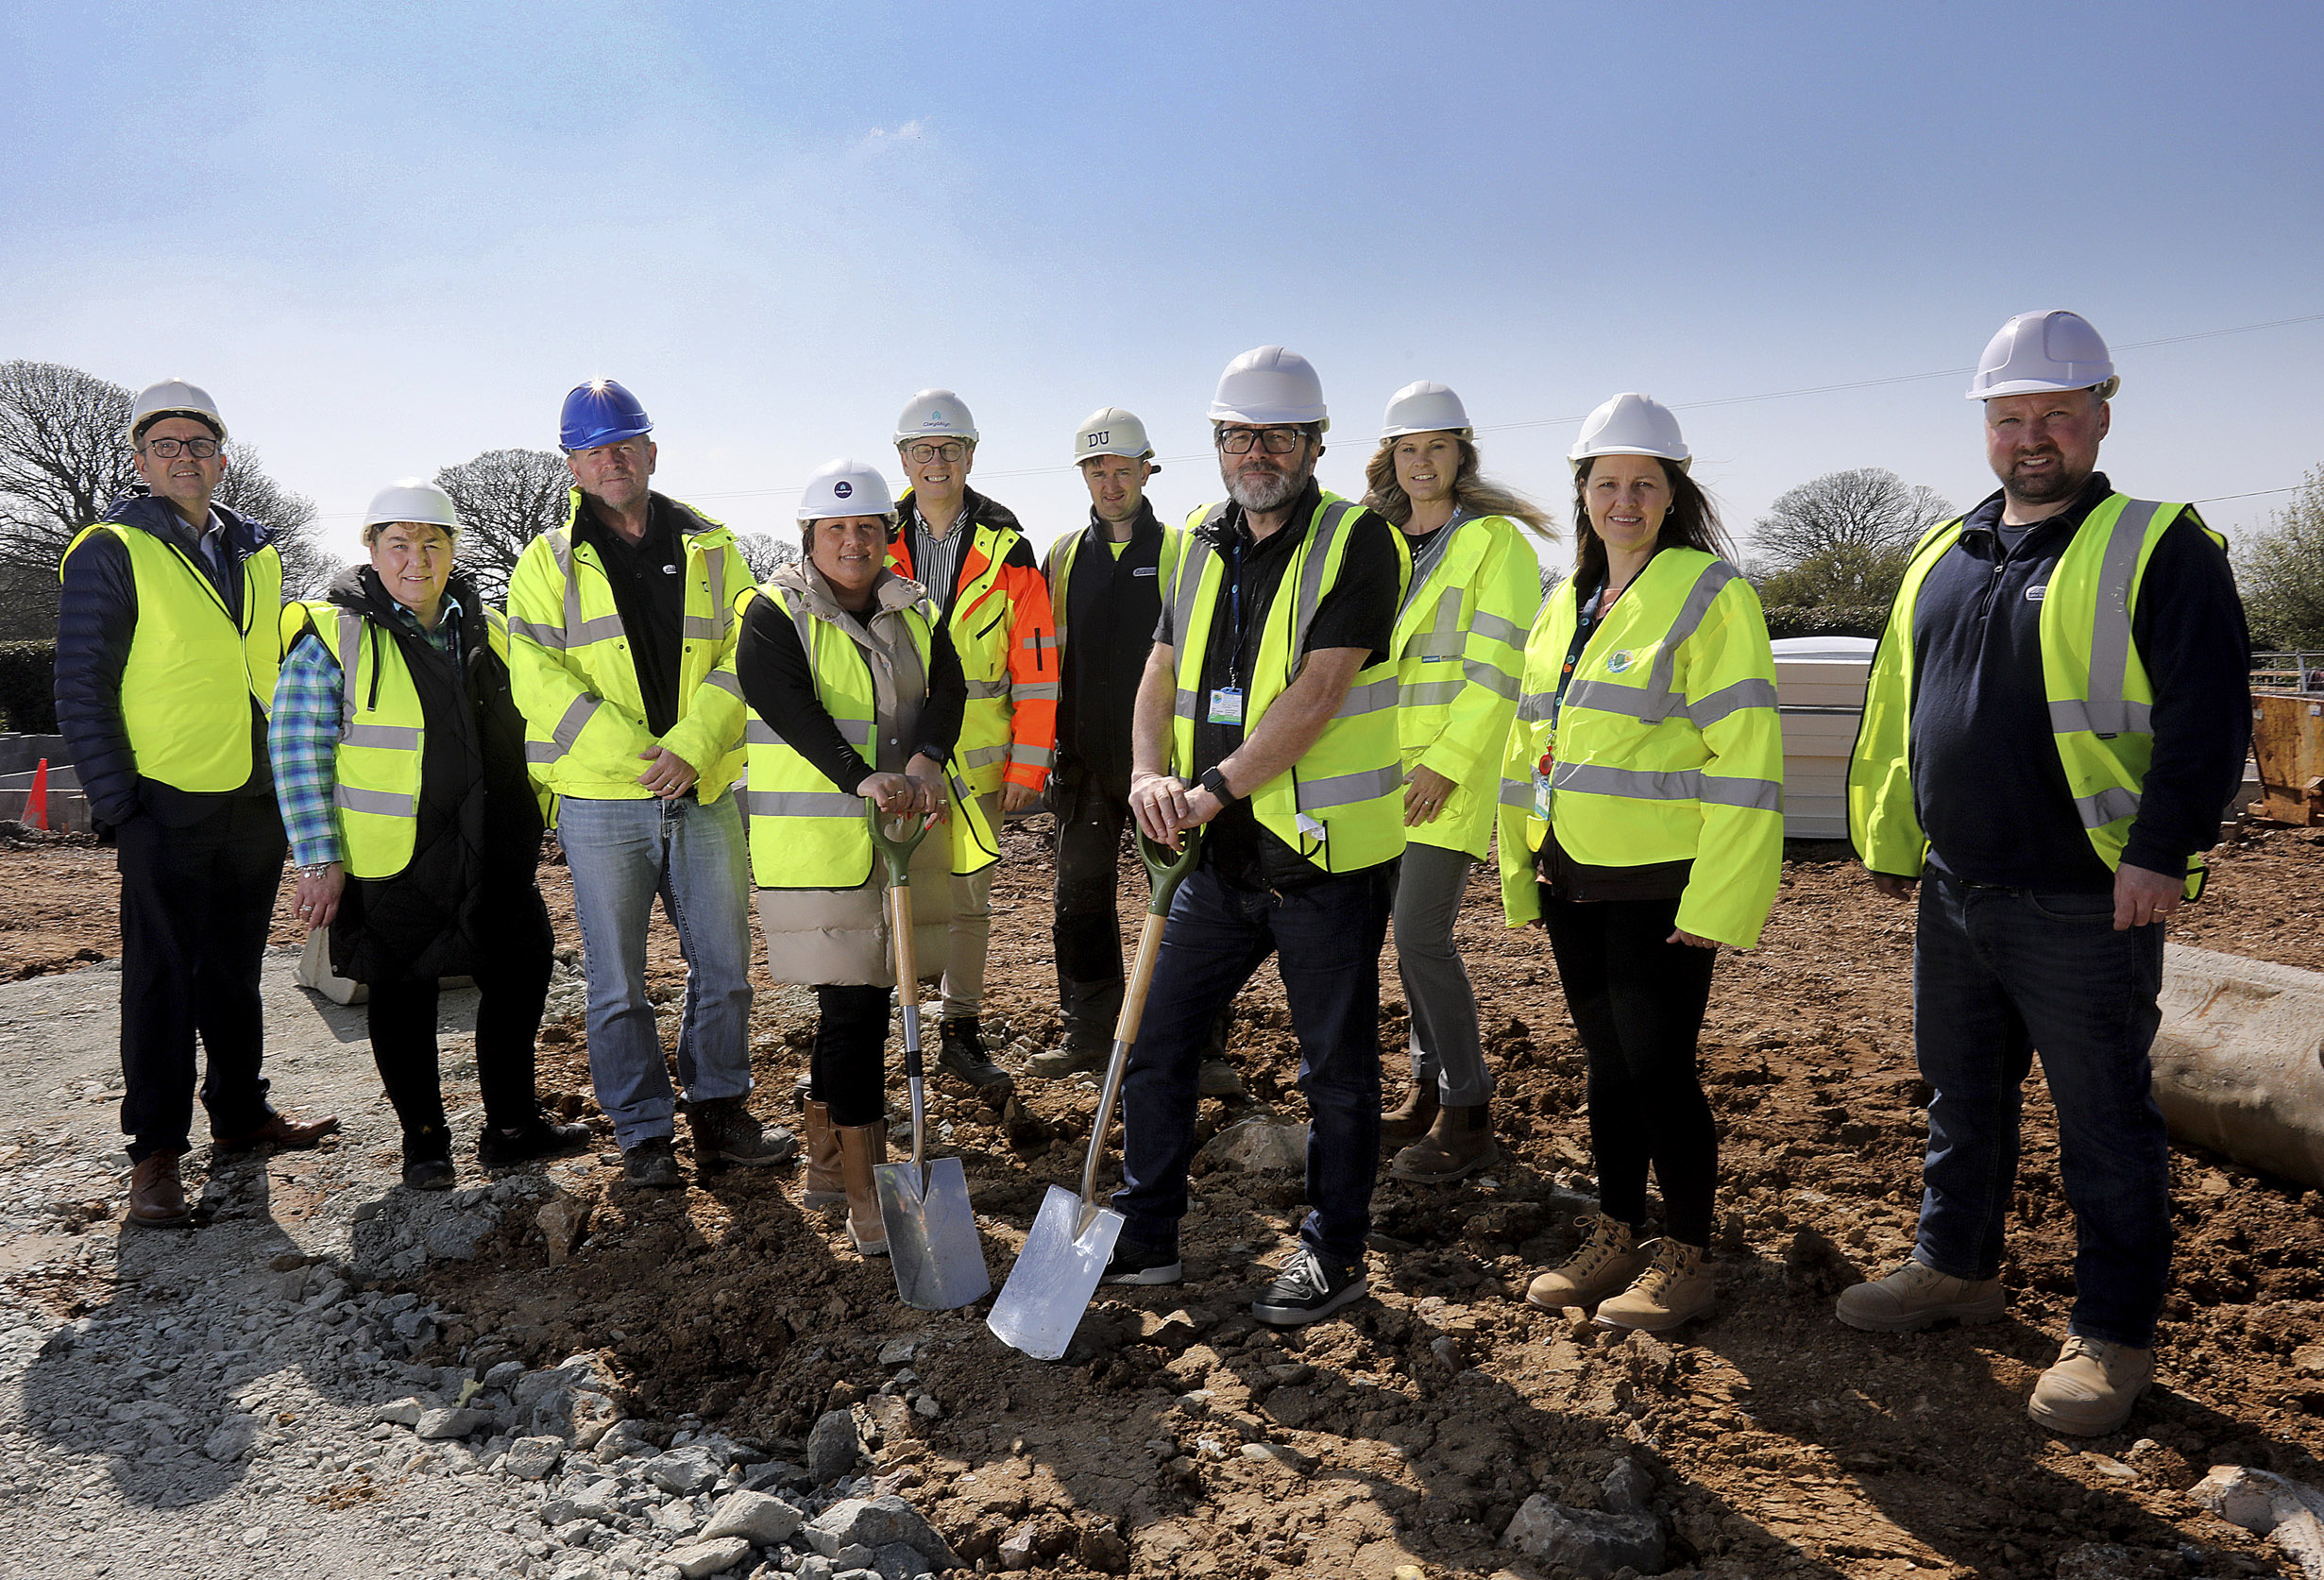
[{"x": 1001, "y": 629}]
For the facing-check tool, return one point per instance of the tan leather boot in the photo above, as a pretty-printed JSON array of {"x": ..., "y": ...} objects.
[
  {"x": 2091, "y": 1388},
  {"x": 1674, "y": 1291},
  {"x": 1458, "y": 1143},
  {"x": 861, "y": 1148},
  {"x": 156, "y": 1199},
  {"x": 1603, "y": 1265},
  {"x": 825, "y": 1186},
  {"x": 1412, "y": 1121}
]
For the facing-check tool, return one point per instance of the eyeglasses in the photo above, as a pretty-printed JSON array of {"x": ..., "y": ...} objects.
[
  {"x": 1274, "y": 441},
  {"x": 920, "y": 455},
  {"x": 169, "y": 449}
]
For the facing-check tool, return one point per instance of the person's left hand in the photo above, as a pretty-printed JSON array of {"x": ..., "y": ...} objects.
[
  {"x": 1425, "y": 794},
  {"x": 1695, "y": 940},
  {"x": 2142, "y": 896},
  {"x": 319, "y": 895},
  {"x": 1017, "y": 798},
  {"x": 671, "y": 776}
]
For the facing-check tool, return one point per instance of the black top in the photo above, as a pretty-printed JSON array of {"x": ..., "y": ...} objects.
[
  {"x": 1109, "y": 606},
  {"x": 779, "y": 683},
  {"x": 1987, "y": 783},
  {"x": 1359, "y": 611},
  {"x": 648, "y": 590}
]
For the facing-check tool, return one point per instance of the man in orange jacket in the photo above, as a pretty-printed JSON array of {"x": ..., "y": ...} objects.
[{"x": 973, "y": 558}]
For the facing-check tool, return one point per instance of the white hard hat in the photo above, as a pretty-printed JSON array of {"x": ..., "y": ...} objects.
[
  {"x": 1110, "y": 430},
  {"x": 845, "y": 487},
  {"x": 1269, "y": 385},
  {"x": 2038, "y": 351},
  {"x": 413, "y": 500},
  {"x": 1425, "y": 406},
  {"x": 173, "y": 398},
  {"x": 1631, "y": 425},
  {"x": 935, "y": 414}
]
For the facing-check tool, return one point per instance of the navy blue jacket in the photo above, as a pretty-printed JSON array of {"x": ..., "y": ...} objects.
[
  {"x": 1987, "y": 783},
  {"x": 96, "y": 615}
]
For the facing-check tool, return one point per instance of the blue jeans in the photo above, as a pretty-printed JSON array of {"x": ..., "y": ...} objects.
[
  {"x": 1996, "y": 974},
  {"x": 621, "y": 853},
  {"x": 1326, "y": 938}
]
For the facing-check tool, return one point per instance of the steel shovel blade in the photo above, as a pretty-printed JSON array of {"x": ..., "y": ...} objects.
[
  {"x": 1057, "y": 1272},
  {"x": 931, "y": 1235}
]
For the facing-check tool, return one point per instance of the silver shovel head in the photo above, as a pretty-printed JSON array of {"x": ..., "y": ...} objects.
[
  {"x": 1057, "y": 1272},
  {"x": 931, "y": 1235}
]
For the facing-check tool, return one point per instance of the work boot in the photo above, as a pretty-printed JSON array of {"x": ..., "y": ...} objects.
[
  {"x": 1412, "y": 1121},
  {"x": 1306, "y": 1289},
  {"x": 2092, "y": 1388},
  {"x": 825, "y": 1185},
  {"x": 652, "y": 1163},
  {"x": 1916, "y": 1296},
  {"x": 1135, "y": 1264},
  {"x": 961, "y": 1053},
  {"x": 725, "y": 1133},
  {"x": 1457, "y": 1144},
  {"x": 1076, "y": 1056},
  {"x": 156, "y": 1198},
  {"x": 861, "y": 1148},
  {"x": 1675, "y": 1290},
  {"x": 1603, "y": 1265},
  {"x": 498, "y": 1147},
  {"x": 1218, "y": 1079},
  {"x": 428, "y": 1159},
  {"x": 278, "y": 1130}
]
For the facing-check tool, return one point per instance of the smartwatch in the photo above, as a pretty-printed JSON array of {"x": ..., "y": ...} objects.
[{"x": 1216, "y": 782}]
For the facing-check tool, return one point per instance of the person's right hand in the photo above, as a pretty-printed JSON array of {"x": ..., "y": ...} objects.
[
  {"x": 899, "y": 795},
  {"x": 319, "y": 895},
  {"x": 1894, "y": 887},
  {"x": 1160, "y": 803}
]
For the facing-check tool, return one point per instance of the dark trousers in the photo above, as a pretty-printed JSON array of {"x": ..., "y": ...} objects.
[
  {"x": 1997, "y": 974},
  {"x": 1326, "y": 938},
  {"x": 1087, "y": 936},
  {"x": 196, "y": 903},
  {"x": 513, "y": 956},
  {"x": 847, "y": 1070},
  {"x": 1638, "y": 1002}
]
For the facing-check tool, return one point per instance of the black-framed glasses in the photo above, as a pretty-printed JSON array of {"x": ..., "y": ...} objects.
[
  {"x": 921, "y": 454},
  {"x": 169, "y": 449},
  {"x": 1274, "y": 441}
]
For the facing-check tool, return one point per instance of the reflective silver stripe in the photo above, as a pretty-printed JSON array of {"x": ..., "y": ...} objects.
[
  {"x": 1037, "y": 641},
  {"x": 1499, "y": 682},
  {"x": 987, "y": 688},
  {"x": 724, "y": 682},
  {"x": 1371, "y": 697},
  {"x": 604, "y": 628},
  {"x": 1424, "y": 566},
  {"x": 2109, "y": 636},
  {"x": 1433, "y": 693},
  {"x": 1516, "y": 793},
  {"x": 983, "y": 757},
  {"x": 384, "y": 738},
  {"x": 723, "y": 608},
  {"x": 577, "y": 716},
  {"x": 1318, "y": 551},
  {"x": 1346, "y": 789},
  {"x": 1488, "y": 624},
  {"x": 1435, "y": 644},
  {"x": 702, "y": 628},
  {"x": 1759, "y": 795},
  {"x": 1039, "y": 691},
  {"x": 1188, "y": 702},
  {"x": 542, "y": 751},
  {"x": 1533, "y": 706},
  {"x": 546, "y": 636},
  {"x": 1685, "y": 784},
  {"x": 758, "y": 732},
  {"x": 1191, "y": 564},
  {"x": 1728, "y": 699},
  {"x": 1700, "y": 597},
  {"x": 806, "y": 804},
  {"x": 2124, "y": 718},
  {"x": 1031, "y": 756},
  {"x": 2108, "y": 805},
  {"x": 350, "y": 669},
  {"x": 383, "y": 803},
  {"x": 855, "y": 732},
  {"x": 1607, "y": 696}
]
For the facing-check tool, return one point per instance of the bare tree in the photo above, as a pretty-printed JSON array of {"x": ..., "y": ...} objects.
[
  {"x": 764, "y": 551},
  {"x": 506, "y": 499},
  {"x": 307, "y": 565},
  {"x": 1843, "y": 537},
  {"x": 2282, "y": 573}
]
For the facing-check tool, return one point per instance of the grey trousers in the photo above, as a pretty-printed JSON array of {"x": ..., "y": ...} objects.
[{"x": 1445, "y": 1046}]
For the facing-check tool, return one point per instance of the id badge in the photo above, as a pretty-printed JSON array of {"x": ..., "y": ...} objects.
[
  {"x": 1541, "y": 787},
  {"x": 1227, "y": 705}
]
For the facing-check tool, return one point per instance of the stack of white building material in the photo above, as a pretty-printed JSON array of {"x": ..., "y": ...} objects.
[{"x": 1819, "y": 695}]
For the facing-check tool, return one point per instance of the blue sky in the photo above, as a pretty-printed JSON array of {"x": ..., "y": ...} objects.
[{"x": 389, "y": 238}]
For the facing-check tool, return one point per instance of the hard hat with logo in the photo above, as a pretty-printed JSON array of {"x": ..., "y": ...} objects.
[
  {"x": 1268, "y": 386},
  {"x": 173, "y": 398},
  {"x": 845, "y": 487},
  {"x": 1631, "y": 425},
  {"x": 1425, "y": 406},
  {"x": 2039, "y": 351},
  {"x": 1110, "y": 430},
  {"x": 935, "y": 414},
  {"x": 601, "y": 412},
  {"x": 414, "y": 499}
]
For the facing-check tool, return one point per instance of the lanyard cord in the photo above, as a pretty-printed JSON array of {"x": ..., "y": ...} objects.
[{"x": 1234, "y": 605}]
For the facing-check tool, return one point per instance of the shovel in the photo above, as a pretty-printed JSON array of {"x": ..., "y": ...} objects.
[
  {"x": 1072, "y": 1237},
  {"x": 931, "y": 1233}
]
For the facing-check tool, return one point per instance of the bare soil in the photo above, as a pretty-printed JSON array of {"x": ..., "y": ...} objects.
[{"x": 1409, "y": 1430}]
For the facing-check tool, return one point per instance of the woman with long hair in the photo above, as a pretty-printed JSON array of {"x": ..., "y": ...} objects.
[
  {"x": 1641, "y": 823},
  {"x": 1460, "y": 646}
]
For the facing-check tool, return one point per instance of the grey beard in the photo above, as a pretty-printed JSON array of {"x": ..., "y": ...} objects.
[
  {"x": 2057, "y": 486},
  {"x": 1272, "y": 495}
]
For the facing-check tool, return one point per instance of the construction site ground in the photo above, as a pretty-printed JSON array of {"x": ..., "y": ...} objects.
[{"x": 1178, "y": 1438}]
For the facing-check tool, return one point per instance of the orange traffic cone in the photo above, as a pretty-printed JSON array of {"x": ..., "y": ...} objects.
[{"x": 36, "y": 803}]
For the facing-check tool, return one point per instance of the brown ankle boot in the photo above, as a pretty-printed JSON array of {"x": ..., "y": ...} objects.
[
  {"x": 157, "y": 1201},
  {"x": 1458, "y": 1143},
  {"x": 1410, "y": 1122},
  {"x": 861, "y": 1146},
  {"x": 825, "y": 1187}
]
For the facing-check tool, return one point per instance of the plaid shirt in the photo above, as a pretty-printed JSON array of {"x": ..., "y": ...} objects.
[{"x": 302, "y": 735}]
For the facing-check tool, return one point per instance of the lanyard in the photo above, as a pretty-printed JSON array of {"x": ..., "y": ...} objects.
[
  {"x": 1235, "y": 606},
  {"x": 1585, "y": 625}
]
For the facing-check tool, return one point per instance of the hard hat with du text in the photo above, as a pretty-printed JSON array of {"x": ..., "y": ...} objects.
[
  {"x": 1425, "y": 406},
  {"x": 935, "y": 414},
  {"x": 1631, "y": 424},
  {"x": 1110, "y": 430},
  {"x": 2036, "y": 352},
  {"x": 601, "y": 412},
  {"x": 173, "y": 398},
  {"x": 1269, "y": 385},
  {"x": 845, "y": 487}
]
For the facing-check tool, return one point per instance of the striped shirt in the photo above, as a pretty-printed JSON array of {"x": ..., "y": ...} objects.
[{"x": 935, "y": 561}]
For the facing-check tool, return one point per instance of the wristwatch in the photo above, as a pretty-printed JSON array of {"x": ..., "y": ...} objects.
[{"x": 1216, "y": 782}]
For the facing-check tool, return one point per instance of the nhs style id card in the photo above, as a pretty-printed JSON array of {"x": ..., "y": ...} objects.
[{"x": 1227, "y": 705}]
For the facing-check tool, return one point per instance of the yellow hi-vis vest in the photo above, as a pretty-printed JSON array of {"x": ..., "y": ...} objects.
[
  {"x": 1668, "y": 747},
  {"x": 1060, "y": 571},
  {"x": 2098, "y": 691},
  {"x": 1460, "y": 653},
  {"x": 575, "y": 682},
  {"x": 193, "y": 670},
  {"x": 1341, "y": 805},
  {"x": 805, "y": 833}
]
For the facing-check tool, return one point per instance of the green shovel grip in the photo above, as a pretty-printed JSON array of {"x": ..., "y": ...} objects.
[
  {"x": 897, "y": 852},
  {"x": 1166, "y": 870}
]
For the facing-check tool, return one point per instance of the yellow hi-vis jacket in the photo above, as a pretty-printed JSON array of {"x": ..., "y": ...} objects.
[
  {"x": 1341, "y": 805},
  {"x": 2098, "y": 691},
  {"x": 191, "y": 670},
  {"x": 575, "y": 682},
  {"x": 1059, "y": 569},
  {"x": 805, "y": 833},
  {"x": 1668, "y": 747},
  {"x": 1460, "y": 653}
]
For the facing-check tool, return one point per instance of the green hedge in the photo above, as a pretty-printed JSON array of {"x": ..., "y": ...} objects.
[
  {"x": 29, "y": 686},
  {"x": 1828, "y": 620}
]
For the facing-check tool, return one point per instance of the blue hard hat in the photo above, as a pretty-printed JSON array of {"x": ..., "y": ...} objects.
[{"x": 601, "y": 412}]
